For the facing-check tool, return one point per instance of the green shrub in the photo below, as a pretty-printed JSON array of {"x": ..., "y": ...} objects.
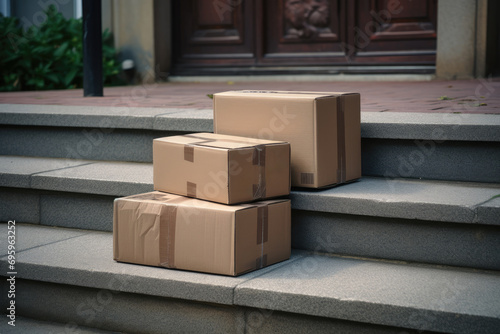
[{"x": 49, "y": 56}]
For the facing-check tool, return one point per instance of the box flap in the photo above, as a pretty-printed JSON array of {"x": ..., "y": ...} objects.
[
  {"x": 284, "y": 94},
  {"x": 216, "y": 141}
]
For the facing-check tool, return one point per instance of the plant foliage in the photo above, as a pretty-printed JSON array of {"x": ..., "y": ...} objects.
[{"x": 49, "y": 56}]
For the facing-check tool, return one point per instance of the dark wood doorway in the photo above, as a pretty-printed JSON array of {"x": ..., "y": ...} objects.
[{"x": 304, "y": 36}]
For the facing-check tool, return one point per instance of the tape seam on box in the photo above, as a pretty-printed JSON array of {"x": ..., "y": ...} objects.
[
  {"x": 190, "y": 189},
  {"x": 262, "y": 224},
  {"x": 259, "y": 159},
  {"x": 205, "y": 140},
  {"x": 189, "y": 153},
  {"x": 261, "y": 262},
  {"x": 341, "y": 154},
  {"x": 167, "y": 236},
  {"x": 262, "y": 233}
]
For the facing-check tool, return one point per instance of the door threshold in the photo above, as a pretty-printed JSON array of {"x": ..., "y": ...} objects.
[{"x": 303, "y": 77}]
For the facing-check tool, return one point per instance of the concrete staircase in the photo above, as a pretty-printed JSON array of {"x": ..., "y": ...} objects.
[{"x": 413, "y": 246}]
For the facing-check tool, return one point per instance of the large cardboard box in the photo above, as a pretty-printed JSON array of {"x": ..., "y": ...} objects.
[
  {"x": 322, "y": 128},
  {"x": 221, "y": 168},
  {"x": 166, "y": 230}
]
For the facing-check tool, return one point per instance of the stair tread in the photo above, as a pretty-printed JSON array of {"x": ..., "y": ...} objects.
[
  {"x": 421, "y": 296},
  {"x": 447, "y": 201},
  {"x": 394, "y": 125},
  {"x": 102, "y": 117},
  {"x": 85, "y": 258}
]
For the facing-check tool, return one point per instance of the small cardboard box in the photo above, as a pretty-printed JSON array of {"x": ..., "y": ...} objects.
[
  {"x": 323, "y": 130},
  {"x": 166, "y": 230},
  {"x": 221, "y": 168}
]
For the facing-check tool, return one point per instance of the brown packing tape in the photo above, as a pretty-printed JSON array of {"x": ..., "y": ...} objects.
[
  {"x": 279, "y": 92},
  {"x": 152, "y": 196},
  {"x": 341, "y": 156},
  {"x": 189, "y": 153},
  {"x": 261, "y": 262},
  {"x": 190, "y": 189},
  {"x": 262, "y": 224},
  {"x": 189, "y": 148},
  {"x": 259, "y": 159},
  {"x": 167, "y": 236},
  {"x": 205, "y": 141},
  {"x": 259, "y": 155},
  {"x": 195, "y": 136},
  {"x": 323, "y": 94},
  {"x": 262, "y": 233},
  {"x": 168, "y": 221}
]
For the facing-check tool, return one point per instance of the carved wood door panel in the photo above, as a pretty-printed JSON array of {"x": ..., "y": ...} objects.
[
  {"x": 299, "y": 31},
  {"x": 214, "y": 32},
  {"x": 401, "y": 31},
  {"x": 237, "y": 36}
]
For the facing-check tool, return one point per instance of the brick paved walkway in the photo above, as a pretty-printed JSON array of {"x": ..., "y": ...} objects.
[{"x": 462, "y": 96}]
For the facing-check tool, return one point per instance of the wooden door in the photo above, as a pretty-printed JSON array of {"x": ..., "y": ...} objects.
[{"x": 306, "y": 36}]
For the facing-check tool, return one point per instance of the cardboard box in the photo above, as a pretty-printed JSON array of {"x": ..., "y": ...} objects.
[
  {"x": 323, "y": 130},
  {"x": 220, "y": 168},
  {"x": 171, "y": 231}
]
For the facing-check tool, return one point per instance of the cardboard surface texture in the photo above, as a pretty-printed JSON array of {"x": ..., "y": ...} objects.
[
  {"x": 166, "y": 230},
  {"x": 221, "y": 168},
  {"x": 323, "y": 129}
]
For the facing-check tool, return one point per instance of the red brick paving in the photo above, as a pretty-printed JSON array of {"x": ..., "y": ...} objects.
[{"x": 466, "y": 96}]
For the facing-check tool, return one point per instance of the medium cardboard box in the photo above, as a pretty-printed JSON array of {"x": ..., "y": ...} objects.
[
  {"x": 323, "y": 130},
  {"x": 166, "y": 230},
  {"x": 221, "y": 168}
]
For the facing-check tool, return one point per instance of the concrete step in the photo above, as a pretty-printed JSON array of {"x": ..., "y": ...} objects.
[
  {"x": 462, "y": 147},
  {"x": 69, "y": 276},
  {"x": 440, "y": 222},
  {"x": 35, "y": 326}
]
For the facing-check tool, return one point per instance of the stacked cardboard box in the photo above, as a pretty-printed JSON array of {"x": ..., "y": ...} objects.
[
  {"x": 200, "y": 232},
  {"x": 323, "y": 129},
  {"x": 227, "y": 223},
  {"x": 221, "y": 168},
  {"x": 166, "y": 230}
]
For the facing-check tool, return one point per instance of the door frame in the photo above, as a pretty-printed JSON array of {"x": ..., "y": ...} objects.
[{"x": 447, "y": 20}]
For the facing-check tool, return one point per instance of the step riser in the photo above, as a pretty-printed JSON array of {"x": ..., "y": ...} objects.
[
  {"x": 111, "y": 310},
  {"x": 80, "y": 143},
  {"x": 451, "y": 160},
  {"x": 466, "y": 245},
  {"x": 476, "y": 246},
  {"x": 71, "y": 210}
]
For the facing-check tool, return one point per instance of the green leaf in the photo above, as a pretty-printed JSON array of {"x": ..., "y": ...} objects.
[
  {"x": 53, "y": 77},
  {"x": 61, "y": 49},
  {"x": 70, "y": 76}
]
